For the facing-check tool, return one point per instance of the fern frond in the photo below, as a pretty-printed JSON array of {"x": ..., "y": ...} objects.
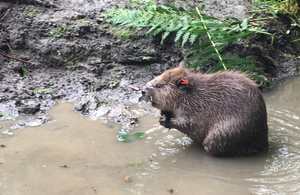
[
  {"x": 206, "y": 52},
  {"x": 258, "y": 78},
  {"x": 233, "y": 38},
  {"x": 198, "y": 32},
  {"x": 189, "y": 26},
  {"x": 193, "y": 37},
  {"x": 181, "y": 32},
  {"x": 185, "y": 38},
  {"x": 237, "y": 60},
  {"x": 201, "y": 45},
  {"x": 166, "y": 34},
  {"x": 201, "y": 63},
  {"x": 217, "y": 67}
]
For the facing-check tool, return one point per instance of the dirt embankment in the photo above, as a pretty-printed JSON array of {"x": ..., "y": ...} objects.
[{"x": 78, "y": 58}]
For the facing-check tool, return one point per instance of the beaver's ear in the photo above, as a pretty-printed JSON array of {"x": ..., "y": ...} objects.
[{"x": 182, "y": 83}]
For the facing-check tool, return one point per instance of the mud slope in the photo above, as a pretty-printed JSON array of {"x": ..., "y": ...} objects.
[{"x": 70, "y": 53}]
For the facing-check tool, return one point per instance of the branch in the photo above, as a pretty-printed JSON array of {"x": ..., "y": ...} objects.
[
  {"x": 15, "y": 58},
  {"x": 7, "y": 43},
  {"x": 5, "y": 14},
  {"x": 212, "y": 42}
]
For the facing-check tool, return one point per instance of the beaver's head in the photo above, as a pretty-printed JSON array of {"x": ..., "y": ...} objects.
[{"x": 166, "y": 90}]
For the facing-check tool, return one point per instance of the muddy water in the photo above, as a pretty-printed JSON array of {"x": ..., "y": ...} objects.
[{"x": 75, "y": 155}]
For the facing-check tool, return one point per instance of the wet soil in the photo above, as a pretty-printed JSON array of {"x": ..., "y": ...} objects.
[{"x": 76, "y": 155}]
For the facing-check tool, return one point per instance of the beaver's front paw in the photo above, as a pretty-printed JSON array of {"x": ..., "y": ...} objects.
[
  {"x": 165, "y": 121},
  {"x": 168, "y": 114}
]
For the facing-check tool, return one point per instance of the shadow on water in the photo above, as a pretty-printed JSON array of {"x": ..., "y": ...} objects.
[{"x": 75, "y": 155}]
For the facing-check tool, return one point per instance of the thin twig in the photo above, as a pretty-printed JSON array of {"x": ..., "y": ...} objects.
[
  {"x": 7, "y": 43},
  {"x": 260, "y": 19},
  {"x": 5, "y": 14},
  {"x": 15, "y": 58},
  {"x": 10, "y": 48},
  {"x": 212, "y": 42}
]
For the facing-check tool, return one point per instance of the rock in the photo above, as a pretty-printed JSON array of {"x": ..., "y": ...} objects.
[{"x": 29, "y": 107}]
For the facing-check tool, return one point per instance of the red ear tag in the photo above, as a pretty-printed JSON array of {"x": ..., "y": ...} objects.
[{"x": 184, "y": 82}]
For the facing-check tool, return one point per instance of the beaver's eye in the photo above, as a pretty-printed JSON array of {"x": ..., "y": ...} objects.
[{"x": 158, "y": 86}]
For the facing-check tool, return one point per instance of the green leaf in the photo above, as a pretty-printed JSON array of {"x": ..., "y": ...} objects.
[
  {"x": 206, "y": 52},
  {"x": 122, "y": 132},
  {"x": 43, "y": 91},
  {"x": 185, "y": 38},
  {"x": 244, "y": 24},
  {"x": 123, "y": 138},
  {"x": 25, "y": 71},
  {"x": 134, "y": 164},
  {"x": 166, "y": 34},
  {"x": 139, "y": 135},
  {"x": 193, "y": 37},
  {"x": 259, "y": 78},
  {"x": 200, "y": 63}
]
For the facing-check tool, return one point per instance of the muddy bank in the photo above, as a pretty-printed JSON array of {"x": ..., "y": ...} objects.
[{"x": 71, "y": 54}]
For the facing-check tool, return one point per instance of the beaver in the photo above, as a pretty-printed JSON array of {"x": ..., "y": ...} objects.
[{"x": 223, "y": 111}]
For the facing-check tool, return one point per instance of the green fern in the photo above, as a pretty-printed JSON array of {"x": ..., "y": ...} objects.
[{"x": 215, "y": 35}]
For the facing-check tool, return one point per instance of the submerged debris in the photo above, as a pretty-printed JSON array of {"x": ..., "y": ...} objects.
[
  {"x": 8, "y": 132},
  {"x": 126, "y": 178},
  {"x": 124, "y": 137}
]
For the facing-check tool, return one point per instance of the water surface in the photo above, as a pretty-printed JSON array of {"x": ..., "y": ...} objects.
[{"x": 76, "y": 155}]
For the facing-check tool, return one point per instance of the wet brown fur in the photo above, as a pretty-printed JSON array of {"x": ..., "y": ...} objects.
[{"x": 224, "y": 111}]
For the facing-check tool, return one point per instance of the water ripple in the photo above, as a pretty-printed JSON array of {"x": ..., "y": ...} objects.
[{"x": 281, "y": 172}]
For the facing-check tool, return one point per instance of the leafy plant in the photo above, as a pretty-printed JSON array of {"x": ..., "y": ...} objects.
[
  {"x": 43, "y": 91},
  {"x": 24, "y": 70},
  {"x": 3, "y": 116},
  {"x": 121, "y": 31},
  {"x": 124, "y": 137},
  {"x": 134, "y": 164},
  {"x": 30, "y": 11},
  {"x": 147, "y": 58},
  {"x": 114, "y": 82},
  {"x": 56, "y": 33},
  {"x": 71, "y": 60},
  {"x": 104, "y": 101},
  {"x": 191, "y": 27},
  {"x": 82, "y": 21}
]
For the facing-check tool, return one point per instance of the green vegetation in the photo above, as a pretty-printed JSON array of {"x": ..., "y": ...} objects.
[
  {"x": 29, "y": 11},
  {"x": 104, "y": 101},
  {"x": 124, "y": 137},
  {"x": 43, "y": 91},
  {"x": 121, "y": 31},
  {"x": 114, "y": 82},
  {"x": 147, "y": 58},
  {"x": 24, "y": 70},
  {"x": 71, "y": 60},
  {"x": 191, "y": 27},
  {"x": 56, "y": 33},
  {"x": 287, "y": 9},
  {"x": 5, "y": 116},
  {"x": 82, "y": 21},
  {"x": 134, "y": 164}
]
